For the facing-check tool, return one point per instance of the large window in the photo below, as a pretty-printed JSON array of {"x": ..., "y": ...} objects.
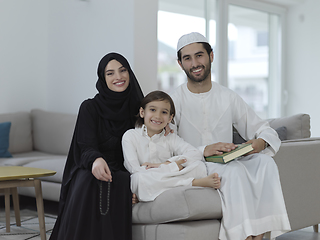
[
  {"x": 248, "y": 58},
  {"x": 176, "y": 18},
  {"x": 246, "y": 38}
]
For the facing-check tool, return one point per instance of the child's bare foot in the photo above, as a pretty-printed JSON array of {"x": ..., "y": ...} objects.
[{"x": 213, "y": 180}]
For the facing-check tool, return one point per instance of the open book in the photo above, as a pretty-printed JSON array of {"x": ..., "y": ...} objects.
[{"x": 229, "y": 156}]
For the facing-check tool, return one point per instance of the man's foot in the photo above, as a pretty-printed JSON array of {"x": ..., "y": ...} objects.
[{"x": 213, "y": 181}]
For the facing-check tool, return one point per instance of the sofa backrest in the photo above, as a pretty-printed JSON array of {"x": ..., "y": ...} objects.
[
  {"x": 52, "y": 132},
  {"x": 288, "y": 128},
  {"x": 20, "y": 137},
  {"x": 298, "y": 126}
]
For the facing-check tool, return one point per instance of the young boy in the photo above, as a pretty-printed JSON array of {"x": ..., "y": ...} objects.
[{"x": 158, "y": 162}]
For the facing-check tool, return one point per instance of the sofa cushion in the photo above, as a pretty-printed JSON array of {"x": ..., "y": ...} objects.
[
  {"x": 179, "y": 204},
  {"x": 282, "y": 133},
  {"x": 20, "y": 159},
  {"x": 52, "y": 132},
  {"x": 50, "y": 191},
  {"x": 20, "y": 138},
  {"x": 54, "y": 163},
  {"x": 298, "y": 126},
  {"x": 4, "y": 139}
]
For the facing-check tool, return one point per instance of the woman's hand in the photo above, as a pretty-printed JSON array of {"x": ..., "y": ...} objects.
[{"x": 101, "y": 171}]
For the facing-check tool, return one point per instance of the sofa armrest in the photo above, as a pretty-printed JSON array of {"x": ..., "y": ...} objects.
[{"x": 299, "y": 166}]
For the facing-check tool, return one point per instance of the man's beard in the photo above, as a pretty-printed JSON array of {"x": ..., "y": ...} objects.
[{"x": 207, "y": 71}]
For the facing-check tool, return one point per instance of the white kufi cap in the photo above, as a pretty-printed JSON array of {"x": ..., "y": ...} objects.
[{"x": 189, "y": 38}]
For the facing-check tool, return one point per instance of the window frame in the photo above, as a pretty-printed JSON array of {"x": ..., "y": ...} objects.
[{"x": 276, "y": 87}]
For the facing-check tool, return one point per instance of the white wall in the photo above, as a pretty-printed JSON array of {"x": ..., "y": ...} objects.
[
  {"x": 303, "y": 61},
  {"x": 146, "y": 43},
  {"x": 51, "y": 49},
  {"x": 23, "y": 55}
]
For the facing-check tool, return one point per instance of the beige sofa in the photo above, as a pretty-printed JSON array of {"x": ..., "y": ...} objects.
[
  {"x": 41, "y": 139},
  {"x": 189, "y": 213}
]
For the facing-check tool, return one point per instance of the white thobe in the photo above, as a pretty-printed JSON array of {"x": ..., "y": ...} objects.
[
  {"x": 251, "y": 194},
  {"x": 139, "y": 148}
]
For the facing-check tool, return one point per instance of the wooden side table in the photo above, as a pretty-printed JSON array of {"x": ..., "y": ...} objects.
[{"x": 12, "y": 177}]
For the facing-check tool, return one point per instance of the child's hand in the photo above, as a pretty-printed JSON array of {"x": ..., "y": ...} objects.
[
  {"x": 179, "y": 162},
  {"x": 151, "y": 165}
]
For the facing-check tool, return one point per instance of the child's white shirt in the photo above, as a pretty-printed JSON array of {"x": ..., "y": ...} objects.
[{"x": 139, "y": 148}]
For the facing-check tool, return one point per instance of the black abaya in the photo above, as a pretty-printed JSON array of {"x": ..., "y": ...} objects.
[
  {"x": 90, "y": 209},
  {"x": 79, "y": 211}
]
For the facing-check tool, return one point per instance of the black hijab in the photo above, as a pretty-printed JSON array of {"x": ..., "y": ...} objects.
[{"x": 118, "y": 109}]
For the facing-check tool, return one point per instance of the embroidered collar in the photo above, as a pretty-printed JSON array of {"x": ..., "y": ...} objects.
[{"x": 144, "y": 132}]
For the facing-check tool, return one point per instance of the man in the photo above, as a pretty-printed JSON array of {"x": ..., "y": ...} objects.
[{"x": 206, "y": 112}]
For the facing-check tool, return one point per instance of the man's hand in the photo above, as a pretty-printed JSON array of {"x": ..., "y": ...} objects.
[
  {"x": 218, "y": 148},
  {"x": 168, "y": 130},
  {"x": 101, "y": 171},
  {"x": 257, "y": 144}
]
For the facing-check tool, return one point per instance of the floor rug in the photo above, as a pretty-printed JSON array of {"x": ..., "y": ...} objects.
[{"x": 29, "y": 228}]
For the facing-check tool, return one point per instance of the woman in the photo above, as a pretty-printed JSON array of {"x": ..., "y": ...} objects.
[{"x": 96, "y": 201}]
